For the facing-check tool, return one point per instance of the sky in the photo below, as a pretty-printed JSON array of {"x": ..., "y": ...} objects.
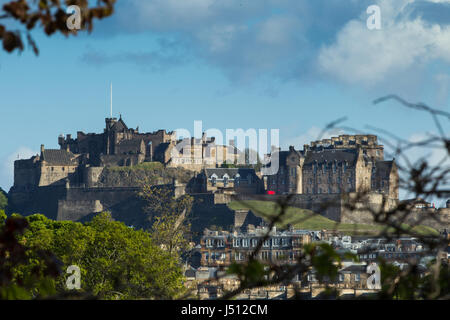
[{"x": 292, "y": 65}]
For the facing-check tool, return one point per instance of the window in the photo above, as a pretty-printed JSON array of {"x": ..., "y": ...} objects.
[
  {"x": 285, "y": 242},
  {"x": 266, "y": 243},
  {"x": 245, "y": 242},
  {"x": 357, "y": 277},
  {"x": 341, "y": 277},
  {"x": 213, "y": 181},
  {"x": 276, "y": 242},
  {"x": 236, "y": 242},
  {"x": 254, "y": 242}
]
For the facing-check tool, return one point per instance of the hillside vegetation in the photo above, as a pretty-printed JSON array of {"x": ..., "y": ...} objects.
[
  {"x": 149, "y": 172},
  {"x": 306, "y": 219}
]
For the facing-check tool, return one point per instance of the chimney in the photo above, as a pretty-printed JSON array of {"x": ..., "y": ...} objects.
[{"x": 42, "y": 149}]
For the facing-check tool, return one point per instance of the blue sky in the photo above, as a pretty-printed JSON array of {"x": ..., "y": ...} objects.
[{"x": 293, "y": 65}]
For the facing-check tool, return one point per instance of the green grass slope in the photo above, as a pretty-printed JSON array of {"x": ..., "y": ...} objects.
[{"x": 306, "y": 219}]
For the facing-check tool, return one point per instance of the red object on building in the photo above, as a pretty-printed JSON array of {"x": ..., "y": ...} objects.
[{"x": 270, "y": 192}]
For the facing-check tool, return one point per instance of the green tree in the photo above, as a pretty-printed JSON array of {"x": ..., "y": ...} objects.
[
  {"x": 167, "y": 217},
  {"x": 24, "y": 273},
  {"x": 116, "y": 262},
  {"x": 3, "y": 199}
]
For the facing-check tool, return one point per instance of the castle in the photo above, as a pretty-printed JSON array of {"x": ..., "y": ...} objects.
[
  {"x": 69, "y": 183},
  {"x": 343, "y": 164},
  {"x": 80, "y": 161}
]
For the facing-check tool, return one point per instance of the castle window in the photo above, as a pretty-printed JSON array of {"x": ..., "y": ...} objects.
[
  {"x": 237, "y": 179},
  {"x": 213, "y": 180},
  {"x": 225, "y": 180}
]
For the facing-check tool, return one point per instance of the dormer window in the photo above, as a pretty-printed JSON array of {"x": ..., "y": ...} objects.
[
  {"x": 237, "y": 179},
  {"x": 213, "y": 180}
]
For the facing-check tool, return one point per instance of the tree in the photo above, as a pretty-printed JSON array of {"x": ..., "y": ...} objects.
[
  {"x": 52, "y": 16},
  {"x": 166, "y": 217},
  {"x": 115, "y": 261},
  {"x": 3, "y": 199},
  {"x": 20, "y": 279}
]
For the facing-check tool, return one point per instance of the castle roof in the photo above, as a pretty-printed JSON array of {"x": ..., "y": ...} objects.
[
  {"x": 331, "y": 155},
  {"x": 231, "y": 172},
  {"x": 383, "y": 168},
  {"x": 119, "y": 125},
  {"x": 132, "y": 144},
  {"x": 59, "y": 157}
]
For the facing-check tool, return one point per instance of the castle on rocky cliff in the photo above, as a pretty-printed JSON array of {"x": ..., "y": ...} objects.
[
  {"x": 100, "y": 171},
  {"x": 79, "y": 161}
]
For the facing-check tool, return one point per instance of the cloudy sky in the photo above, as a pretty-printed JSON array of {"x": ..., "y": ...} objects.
[{"x": 293, "y": 65}]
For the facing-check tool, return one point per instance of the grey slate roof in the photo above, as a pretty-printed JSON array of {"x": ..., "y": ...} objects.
[
  {"x": 355, "y": 268},
  {"x": 134, "y": 144},
  {"x": 330, "y": 156},
  {"x": 220, "y": 172},
  {"x": 383, "y": 168},
  {"x": 59, "y": 157}
]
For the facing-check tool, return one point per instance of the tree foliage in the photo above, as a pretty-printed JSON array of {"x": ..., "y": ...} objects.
[
  {"x": 167, "y": 217},
  {"x": 3, "y": 199},
  {"x": 50, "y": 15},
  {"x": 116, "y": 262}
]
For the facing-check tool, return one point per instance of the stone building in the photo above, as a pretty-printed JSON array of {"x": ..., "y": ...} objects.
[
  {"x": 344, "y": 164},
  {"x": 197, "y": 154},
  {"x": 118, "y": 145},
  {"x": 222, "y": 248},
  {"x": 229, "y": 180},
  {"x": 80, "y": 161}
]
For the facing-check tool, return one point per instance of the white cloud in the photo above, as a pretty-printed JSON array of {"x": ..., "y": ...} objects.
[
  {"x": 360, "y": 55},
  {"x": 7, "y": 170}
]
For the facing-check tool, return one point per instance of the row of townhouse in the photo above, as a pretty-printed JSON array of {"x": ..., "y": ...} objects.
[{"x": 221, "y": 248}]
